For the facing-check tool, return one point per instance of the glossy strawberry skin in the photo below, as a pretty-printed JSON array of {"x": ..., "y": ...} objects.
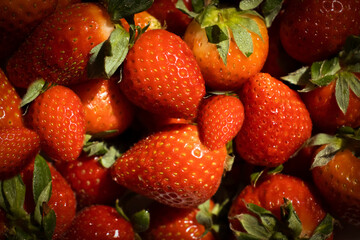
[
  {"x": 161, "y": 75},
  {"x": 219, "y": 119},
  {"x": 337, "y": 183},
  {"x": 270, "y": 194},
  {"x": 172, "y": 166},
  {"x": 314, "y": 30},
  {"x": 18, "y": 146},
  {"x": 60, "y": 54},
  {"x": 91, "y": 182},
  {"x": 99, "y": 222},
  {"x": 106, "y": 108},
  {"x": 9, "y": 104},
  {"x": 57, "y": 115},
  {"x": 276, "y": 121}
]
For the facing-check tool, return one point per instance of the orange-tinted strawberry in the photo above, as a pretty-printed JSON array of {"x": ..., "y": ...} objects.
[
  {"x": 10, "y": 113},
  {"x": 313, "y": 30},
  {"x": 161, "y": 75},
  {"x": 219, "y": 119},
  {"x": 99, "y": 222},
  {"x": 18, "y": 147},
  {"x": 269, "y": 194},
  {"x": 276, "y": 121},
  {"x": 142, "y": 19},
  {"x": 243, "y": 58},
  {"x": 57, "y": 115},
  {"x": 172, "y": 166},
  {"x": 106, "y": 108}
]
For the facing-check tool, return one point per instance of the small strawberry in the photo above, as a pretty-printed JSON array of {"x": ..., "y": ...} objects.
[
  {"x": 57, "y": 115},
  {"x": 9, "y": 104},
  {"x": 91, "y": 182},
  {"x": 106, "y": 108},
  {"x": 219, "y": 119},
  {"x": 142, "y": 19},
  {"x": 161, "y": 75},
  {"x": 313, "y": 30},
  {"x": 172, "y": 166},
  {"x": 279, "y": 197},
  {"x": 99, "y": 222},
  {"x": 229, "y": 45},
  {"x": 276, "y": 121},
  {"x": 18, "y": 146}
]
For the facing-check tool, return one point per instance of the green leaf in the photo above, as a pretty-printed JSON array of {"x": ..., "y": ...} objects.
[
  {"x": 49, "y": 223},
  {"x": 324, "y": 229},
  {"x": 33, "y": 91},
  {"x": 323, "y": 72},
  {"x": 181, "y": 6},
  {"x": 354, "y": 82},
  {"x": 204, "y": 216},
  {"x": 248, "y": 23},
  {"x": 107, "y": 56},
  {"x": 42, "y": 199},
  {"x": 292, "y": 220},
  {"x": 124, "y": 8},
  {"x": 249, "y": 4},
  {"x": 322, "y": 139},
  {"x": 342, "y": 93},
  {"x": 253, "y": 227},
  {"x": 13, "y": 191},
  {"x": 300, "y": 77},
  {"x": 219, "y": 36},
  {"x": 350, "y": 55},
  {"x": 325, "y": 155},
  {"x": 140, "y": 221},
  {"x": 270, "y": 9},
  {"x": 268, "y": 220},
  {"x": 109, "y": 158},
  {"x": 197, "y": 5},
  {"x": 242, "y": 39},
  {"x": 95, "y": 148},
  {"x": 41, "y": 178}
]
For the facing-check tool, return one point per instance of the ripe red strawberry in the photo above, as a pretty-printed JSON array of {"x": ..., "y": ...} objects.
[
  {"x": 161, "y": 75},
  {"x": 166, "y": 12},
  {"x": 62, "y": 199},
  {"x": 219, "y": 119},
  {"x": 10, "y": 113},
  {"x": 269, "y": 194},
  {"x": 91, "y": 182},
  {"x": 59, "y": 48},
  {"x": 313, "y": 30},
  {"x": 276, "y": 121},
  {"x": 106, "y": 107},
  {"x": 99, "y": 222},
  {"x": 169, "y": 223},
  {"x": 228, "y": 64},
  {"x": 172, "y": 166},
  {"x": 57, "y": 115},
  {"x": 18, "y": 146}
]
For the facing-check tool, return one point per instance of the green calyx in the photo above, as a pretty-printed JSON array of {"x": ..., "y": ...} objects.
[
  {"x": 261, "y": 224},
  {"x": 342, "y": 69}
]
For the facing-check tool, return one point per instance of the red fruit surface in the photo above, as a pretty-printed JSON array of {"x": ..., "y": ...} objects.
[
  {"x": 57, "y": 115},
  {"x": 219, "y": 119},
  {"x": 172, "y": 166},
  {"x": 99, "y": 222},
  {"x": 161, "y": 75},
  {"x": 276, "y": 121}
]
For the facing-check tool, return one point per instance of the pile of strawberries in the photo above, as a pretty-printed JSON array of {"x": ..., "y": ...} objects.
[{"x": 166, "y": 119}]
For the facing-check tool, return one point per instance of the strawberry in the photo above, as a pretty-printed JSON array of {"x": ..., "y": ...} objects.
[
  {"x": 99, "y": 222},
  {"x": 142, "y": 19},
  {"x": 18, "y": 146},
  {"x": 166, "y": 12},
  {"x": 278, "y": 195},
  {"x": 313, "y": 30},
  {"x": 173, "y": 86},
  {"x": 106, "y": 107},
  {"x": 91, "y": 182},
  {"x": 9, "y": 104},
  {"x": 59, "y": 48},
  {"x": 229, "y": 45},
  {"x": 57, "y": 115},
  {"x": 335, "y": 173},
  {"x": 276, "y": 121},
  {"x": 62, "y": 199},
  {"x": 172, "y": 166},
  {"x": 219, "y": 119},
  {"x": 173, "y": 223}
]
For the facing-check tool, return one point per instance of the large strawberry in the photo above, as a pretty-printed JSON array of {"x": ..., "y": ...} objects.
[
  {"x": 278, "y": 198},
  {"x": 229, "y": 45},
  {"x": 160, "y": 74},
  {"x": 9, "y": 104},
  {"x": 276, "y": 121},
  {"x": 313, "y": 30},
  {"x": 18, "y": 146},
  {"x": 99, "y": 222},
  {"x": 172, "y": 166},
  {"x": 57, "y": 115},
  {"x": 219, "y": 119}
]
